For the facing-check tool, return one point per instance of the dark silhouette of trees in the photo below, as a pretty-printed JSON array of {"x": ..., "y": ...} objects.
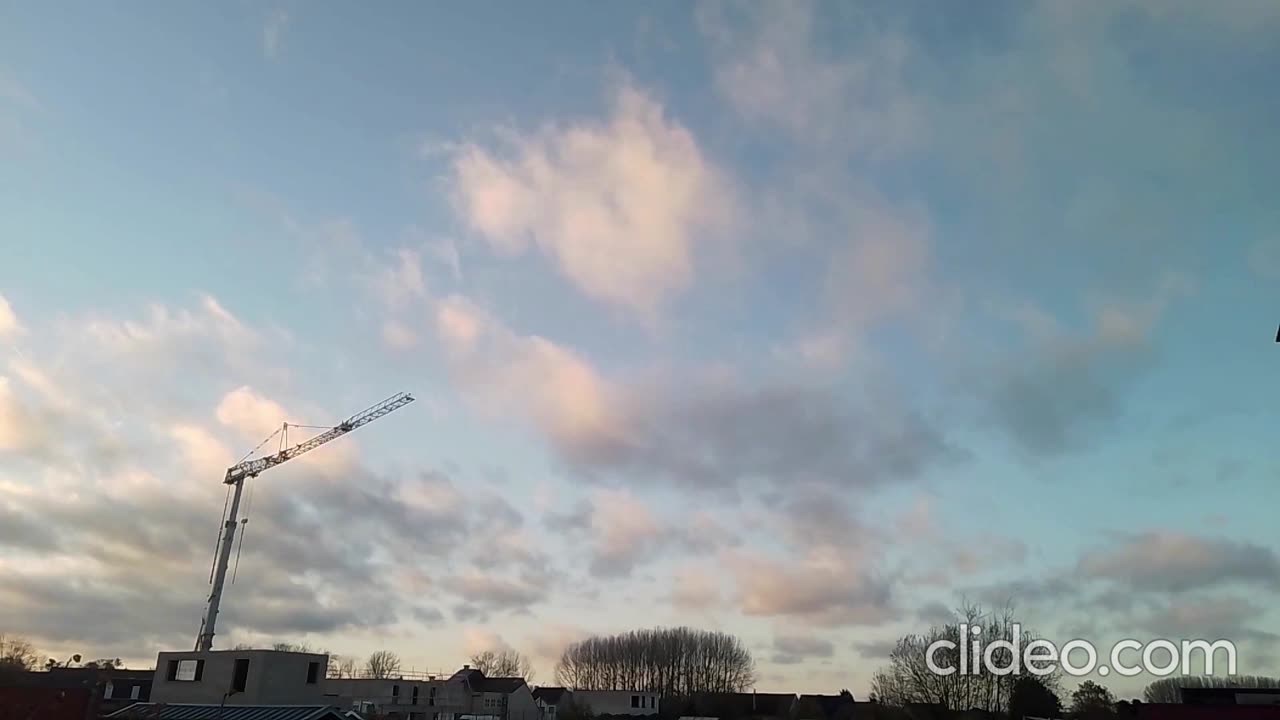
[
  {"x": 1034, "y": 698},
  {"x": 382, "y": 664},
  {"x": 1169, "y": 690},
  {"x": 908, "y": 678},
  {"x": 105, "y": 664},
  {"x": 1092, "y": 701},
  {"x": 16, "y": 655},
  {"x": 503, "y": 663},
  {"x": 669, "y": 661}
]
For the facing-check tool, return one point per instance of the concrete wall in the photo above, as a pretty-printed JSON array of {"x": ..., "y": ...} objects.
[
  {"x": 617, "y": 702},
  {"x": 275, "y": 678}
]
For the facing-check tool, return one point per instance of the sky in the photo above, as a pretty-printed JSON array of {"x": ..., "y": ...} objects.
[{"x": 806, "y": 322}]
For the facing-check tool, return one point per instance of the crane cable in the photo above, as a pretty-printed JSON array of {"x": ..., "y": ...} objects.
[{"x": 283, "y": 432}]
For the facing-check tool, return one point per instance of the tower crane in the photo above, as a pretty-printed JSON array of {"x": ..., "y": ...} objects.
[{"x": 238, "y": 473}]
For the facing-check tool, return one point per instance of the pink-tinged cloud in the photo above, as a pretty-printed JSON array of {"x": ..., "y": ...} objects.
[{"x": 619, "y": 206}]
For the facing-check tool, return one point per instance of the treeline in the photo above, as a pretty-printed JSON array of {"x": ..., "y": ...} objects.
[
  {"x": 1169, "y": 690},
  {"x": 670, "y": 661}
]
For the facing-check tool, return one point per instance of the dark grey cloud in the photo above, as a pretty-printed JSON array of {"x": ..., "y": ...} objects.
[
  {"x": 935, "y": 613},
  {"x": 1053, "y": 398},
  {"x": 1174, "y": 562},
  {"x": 875, "y": 649},
  {"x": 717, "y": 435},
  {"x": 803, "y": 646},
  {"x": 19, "y": 529}
]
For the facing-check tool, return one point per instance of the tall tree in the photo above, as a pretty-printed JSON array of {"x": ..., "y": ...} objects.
[
  {"x": 908, "y": 678},
  {"x": 382, "y": 664},
  {"x": 670, "y": 661},
  {"x": 1092, "y": 701},
  {"x": 16, "y": 654},
  {"x": 1033, "y": 698},
  {"x": 503, "y": 663}
]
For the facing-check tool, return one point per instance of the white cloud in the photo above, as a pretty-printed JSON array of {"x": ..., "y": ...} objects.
[
  {"x": 694, "y": 588},
  {"x": 769, "y": 68},
  {"x": 9, "y": 325},
  {"x": 553, "y": 386},
  {"x": 619, "y": 206},
  {"x": 623, "y": 530},
  {"x": 252, "y": 415},
  {"x": 398, "y": 336},
  {"x": 478, "y": 639},
  {"x": 273, "y": 32}
]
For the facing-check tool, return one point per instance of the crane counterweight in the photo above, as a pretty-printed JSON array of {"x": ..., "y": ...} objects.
[{"x": 238, "y": 473}]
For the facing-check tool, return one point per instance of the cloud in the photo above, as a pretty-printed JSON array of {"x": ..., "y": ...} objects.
[
  {"x": 769, "y": 65},
  {"x": 695, "y": 589},
  {"x": 552, "y": 386},
  {"x": 702, "y": 431},
  {"x": 791, "y": 649},
  {"x": 1210, "y": 618},
  {"x": 620, "y": 207},
  {"x": 823, "y": 592},
  {"x": 1070, "y": 385},
  {"x": 549, "y": 641},
  {"x": 720, "y": 433},
  {"x": 477, "y": 640},
  {"x": 273, "y": 32},
  {"x": 623, "y": 531},
  {"x": 1174, "y": 562},
  {"x": 9, "y": 325}
]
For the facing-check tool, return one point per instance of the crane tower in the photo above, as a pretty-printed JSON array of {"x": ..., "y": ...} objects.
[{"x": 238, "y": 473}]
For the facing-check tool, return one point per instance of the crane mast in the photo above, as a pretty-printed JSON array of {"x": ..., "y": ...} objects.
[{"x": 238, "y": 473}]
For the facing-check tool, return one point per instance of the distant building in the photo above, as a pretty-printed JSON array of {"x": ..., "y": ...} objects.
[
  {"x": 156, "y": 711},
  {"x": 551, "y": 701},
  {"x": 617, "y": 702},
  {"x": 75, "y": 692},
  {"x": 824, "y": 707}
]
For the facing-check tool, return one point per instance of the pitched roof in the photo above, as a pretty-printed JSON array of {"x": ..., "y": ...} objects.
[
  {"x": 549, "y": 695},
  {"x": 499, "y": 685},
  {"x": 174, "y": 711}
]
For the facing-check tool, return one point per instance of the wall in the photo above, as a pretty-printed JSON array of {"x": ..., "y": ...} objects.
[
  {"x": 521, "y": 706},
  {"x": 275, "y": 678},
  {"x": 617, "y": 702}
]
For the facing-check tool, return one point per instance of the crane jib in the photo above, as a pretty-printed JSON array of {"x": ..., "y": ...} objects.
[{"x": 235, "y": 476}]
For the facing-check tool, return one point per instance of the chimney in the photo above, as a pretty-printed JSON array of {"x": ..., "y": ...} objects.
[{"x": 466, "y": 667}]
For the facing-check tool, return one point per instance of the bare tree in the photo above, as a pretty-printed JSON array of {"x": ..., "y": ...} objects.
[
  {"x": 347, "y": 667},
  {"x": 503, "y": 663},
  {"x": 301, "y": 647},
  {"x": 1169, "y": 690},
  {"x": 670, "y": 661},
  {"x": 382, "y": 664},
  {"x": 17, "y": 654},
  {"x": 908, "y": 678}
]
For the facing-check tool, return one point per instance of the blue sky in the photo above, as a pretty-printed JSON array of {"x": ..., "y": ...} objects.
[{"x": 800, "y": 321}]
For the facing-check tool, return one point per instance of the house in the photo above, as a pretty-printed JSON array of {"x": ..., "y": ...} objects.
[
  {"x": 617, "y": 702},
  {"x": 182, "y": 711},
  {"x": 93, "y": 690},
  {"x": 552, "y": 700},
  {"x": 493, "y": 698},
  {"x": 824, "y": 707},
  {"x": 734, "y": 706},
  {"x": 240, "y": 677},
  {"x": 400, "y": 697}
]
